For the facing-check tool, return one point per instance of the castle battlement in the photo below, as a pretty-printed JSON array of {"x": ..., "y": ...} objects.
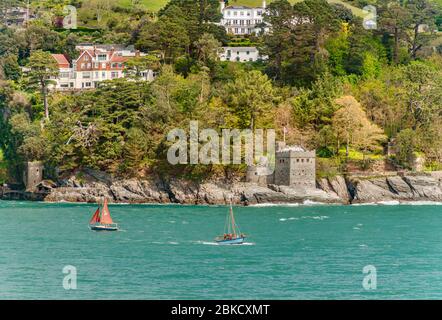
[{"x": 294, "y": 167}]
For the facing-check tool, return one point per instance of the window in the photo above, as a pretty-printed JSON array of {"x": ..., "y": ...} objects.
[
  {"x": 120, "y": 65},
  {"x": 86, "y": 57},
  {"x": 97, "y": 74},
  {"x": 82, "y": 66},
  {"x": 64, "y": 74},
  {"x": 114, "y": 65},
  {"x": 96, "y": 65},
  {"x": 103, "y": 65},
  {"x": 89, "y": 65},
  {"x": 102, "y": 57},
  {"x": 103, "y": 75},
  {"x": 86, "y": 75},
  {"x": 114, "y": 75},
  {"x": 247, "y": 52}
]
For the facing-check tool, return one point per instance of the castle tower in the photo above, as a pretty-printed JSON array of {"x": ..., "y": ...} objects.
[
  {"x": 295, "y": 167},
  {"x": 33, "y": 175}
]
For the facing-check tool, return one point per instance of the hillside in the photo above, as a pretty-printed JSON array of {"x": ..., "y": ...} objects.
[{"x": 155, "y": 5}]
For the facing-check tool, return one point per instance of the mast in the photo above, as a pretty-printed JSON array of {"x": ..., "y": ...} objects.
[{"x": 232, "y": 219}]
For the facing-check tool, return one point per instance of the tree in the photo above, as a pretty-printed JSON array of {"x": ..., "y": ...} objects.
[
  {"x": 10, "y": 66},
  {"x": 393, "y": 20},
  {"x": 352, "y": 126},
  {"x": 168, "y": 35},
  {"x": 250, "y": 98},
  {"x": 421, "y": 88},
  {"x": 406, "y": 146},
  {"x": 208, "y": 49},
  {"x": 134, "y": 66},
  {"x": 42, "y": 69}
]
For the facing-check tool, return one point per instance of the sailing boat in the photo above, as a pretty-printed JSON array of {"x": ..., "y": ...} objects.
[
  {"x": 232, "y": 234},
  {"x": 103, "y": 221}
]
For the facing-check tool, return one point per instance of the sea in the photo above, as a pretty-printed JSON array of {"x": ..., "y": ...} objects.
[{"x": 308, "y": 251}]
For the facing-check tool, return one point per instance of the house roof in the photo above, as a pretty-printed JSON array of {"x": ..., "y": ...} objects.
[
  {"x": 238, "y": 7},
  {"x": 61, "y": 59},
  {"x": 117, "y": 58}
]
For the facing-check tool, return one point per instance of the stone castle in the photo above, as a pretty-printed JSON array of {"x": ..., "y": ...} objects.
[{"x": 294, "y": 167}]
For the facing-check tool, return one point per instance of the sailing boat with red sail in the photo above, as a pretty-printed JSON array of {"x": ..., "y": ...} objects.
[
  {"x": 102, "y": 221},
  {"x": 232, "y": 234}
]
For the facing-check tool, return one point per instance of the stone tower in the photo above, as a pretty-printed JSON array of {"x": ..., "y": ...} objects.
[
  {"x": 33, "y": 175},
  {"x": 295, "y": 167}
]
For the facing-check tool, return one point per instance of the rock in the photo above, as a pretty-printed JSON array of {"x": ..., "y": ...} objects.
[
  {"x": 425, "y": 187},
  {"x": 373, "y": 190},
  {"x": 139, "y": 191},
  {"x": 339, "y": 186},
  {"x": 93, "y": 186},
  {"x": 400, "y": 187}
]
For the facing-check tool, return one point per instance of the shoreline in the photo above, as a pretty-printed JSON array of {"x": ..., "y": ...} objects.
[
  {"x": 344, "y": 190},
  {"x": 260, "y": 205}
]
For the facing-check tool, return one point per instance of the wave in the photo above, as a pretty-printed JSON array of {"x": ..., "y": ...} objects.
[
  {"x": 304, "y": 203},
  {"x": 399, "y": 203},
  {"x": 305, "y": 217},
  {"x": 211, "y": 243}
]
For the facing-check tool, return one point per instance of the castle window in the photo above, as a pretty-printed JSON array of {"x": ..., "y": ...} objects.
[
  {"x": 297, "y": 160},
  {"x": 302, "y": 160}
]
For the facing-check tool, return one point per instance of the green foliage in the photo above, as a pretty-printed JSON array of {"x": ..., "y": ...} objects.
[{"x": 120, "y": 127}]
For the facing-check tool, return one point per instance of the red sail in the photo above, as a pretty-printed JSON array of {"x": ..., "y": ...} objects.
[
  {"x": 105, "y": 214},
  {"x": 95, "y": 217}
]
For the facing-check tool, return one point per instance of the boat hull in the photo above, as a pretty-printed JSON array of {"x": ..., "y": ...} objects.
[
  {"x": 101, "y": 227},
  {"x": 231, "y": 241}
]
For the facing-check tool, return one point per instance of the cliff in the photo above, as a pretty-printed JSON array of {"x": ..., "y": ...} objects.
[{"x": 94, "y": 186}]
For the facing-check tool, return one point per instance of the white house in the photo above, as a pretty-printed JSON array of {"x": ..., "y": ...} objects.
[
  {"x": 241, "y": 54},
  {"x": 243, "y": 20}
]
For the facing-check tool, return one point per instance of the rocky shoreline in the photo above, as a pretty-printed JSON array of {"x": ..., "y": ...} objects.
[{"x": 337, "y": 190}]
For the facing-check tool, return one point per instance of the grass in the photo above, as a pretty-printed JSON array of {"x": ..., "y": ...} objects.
[
  {"x": 155, "y": 5},
  {"x": 151, "y": 5}
]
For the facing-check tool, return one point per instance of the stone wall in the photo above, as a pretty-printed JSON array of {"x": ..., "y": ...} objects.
[{"x": 33, "y": 175}]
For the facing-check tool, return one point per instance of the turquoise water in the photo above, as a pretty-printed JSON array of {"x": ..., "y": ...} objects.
[{"x": 166, "y": 252}]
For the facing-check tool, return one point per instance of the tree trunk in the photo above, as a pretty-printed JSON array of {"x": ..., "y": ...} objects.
[
  {"x": 45, "y": 102},
  {"x": 396, "y": 46}
]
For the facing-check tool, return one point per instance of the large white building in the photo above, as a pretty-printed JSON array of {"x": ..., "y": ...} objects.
[
  {"x": 96, "y": 63},
  {"x": 243, "y": 20},
  {"x": 241, "y": 54}
]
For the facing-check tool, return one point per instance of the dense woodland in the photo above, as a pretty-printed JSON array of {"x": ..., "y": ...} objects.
[{"x": 336, "y": 87}]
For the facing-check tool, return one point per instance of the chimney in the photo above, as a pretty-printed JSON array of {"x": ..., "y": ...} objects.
[
  {"x": 222, "y": 4},
  {"x": 264, "y": 4}
]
